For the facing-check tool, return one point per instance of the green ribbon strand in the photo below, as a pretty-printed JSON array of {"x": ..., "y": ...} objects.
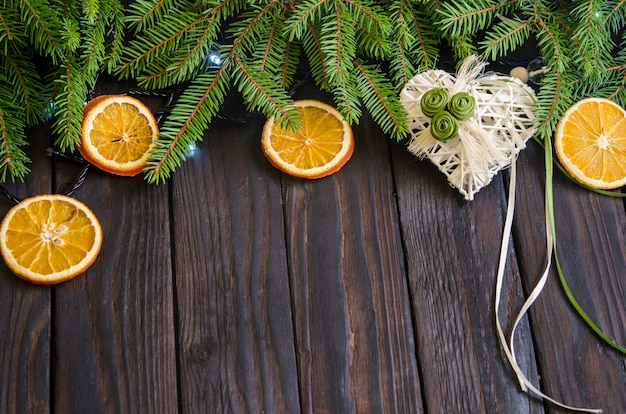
[
  {"x": 444, "y": 126},
  {"x": 462, "y": 105},
  {"x": 549, "y": 161},
  {"x": 434, "y": 101}
]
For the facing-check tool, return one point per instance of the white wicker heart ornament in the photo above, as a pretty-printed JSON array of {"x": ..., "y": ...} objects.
[
  {"x": 488, "y": 141},
  {"x": 470, "y": 146}
]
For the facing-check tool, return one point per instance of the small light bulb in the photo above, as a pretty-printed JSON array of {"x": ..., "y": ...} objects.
[{"x": 214, "y": 58}]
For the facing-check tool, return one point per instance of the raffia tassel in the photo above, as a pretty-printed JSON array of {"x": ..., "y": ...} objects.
[{"x": 485, "y": 143}]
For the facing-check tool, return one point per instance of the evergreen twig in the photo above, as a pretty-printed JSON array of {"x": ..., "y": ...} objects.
[{"x": 361, "y": 51}]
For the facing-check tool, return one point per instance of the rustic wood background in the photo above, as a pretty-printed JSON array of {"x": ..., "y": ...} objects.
[{"x": 234, "y": 288}]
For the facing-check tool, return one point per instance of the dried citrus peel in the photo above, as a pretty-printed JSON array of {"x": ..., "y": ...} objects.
[
  {"x": 320, "y": 147},
  {"x": 50, "y": 238},
  {"x": 118, "y": 133}
]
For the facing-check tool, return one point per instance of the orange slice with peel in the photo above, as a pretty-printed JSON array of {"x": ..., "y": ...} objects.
[
  {"x": 590, "y": 142},
  {"x": 320, "y": 147},
  {"x": 118, "y": 132},
  {"x": 50, "y": 238}
]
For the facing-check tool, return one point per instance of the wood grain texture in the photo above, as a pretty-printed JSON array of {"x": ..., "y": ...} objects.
[
  {"x": 114, "y": 339},
  {"x": 352, "y": 320},
  {"x": 236, "y": 289},
  {"x": 452, "y": 255},
  {"x": 25, "y": 313},
  {"x": 576, "y": 368},
  {"x": 236, "y": 348}
]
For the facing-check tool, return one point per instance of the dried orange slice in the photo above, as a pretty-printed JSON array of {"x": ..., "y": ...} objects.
[
  {"x": 118, "y": 132},
  {"x": 590, "y": 142},
  {"x": 319, "y": 148},
  {"x": 50, "y": 238}
]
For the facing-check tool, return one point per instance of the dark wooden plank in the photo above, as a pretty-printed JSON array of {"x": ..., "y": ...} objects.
[
  {"x": 236, "y": 351},
  {"x": 114, "y": 343},
  {"x": 452, "y": 248},
  {"x": 576, "y": 367},
  {"x": 114, "y": 339},
  {"x": 25, "y": 307},
  {"x": 353, "y": 328}
]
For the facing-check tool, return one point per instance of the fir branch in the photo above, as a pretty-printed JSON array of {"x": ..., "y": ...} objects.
[
  {"x": 612, "y": 86},
  {"x": 253, "y": 26},
  {"x": 305, "y": 15},
  {"x": 93, "y": 48},
  {"x": 379, "y": 97},
  {"x": 70, "y": 100},
  {"x": 260, "y": 92},
  {"x": 594, "y": 43},
  {"x": 115, "y": 33},
  {"x": 187, "y": 122},
  {"x": 13, "y": 160},
  {"x": 274, "y": 54},
  {"x": 91, "y": 11},
  {"x": 337, "y": 38},
  {"x": 615, "y": 19},
  {"x": 274, "y": 45},
  {"x": 43, "y": 26},
  {"x": 346, "y": 95},
  {"x": 467, "y": 18},
  {"x": 401, "y": 65},
  {"x": 22, "y": 83},
  {"x": 143, "y": 53},
  {"x": 415, "y": 46},
  {"x": 10, "y": 23},
  {"x": 143, "y": 14},
  {"x": 555, "y": 96},
  {"x": 183, "y": 64},
  {"x": 289, "y": 65},
  {"x": 373, "y": 44},
  {"x": 368, "y": 15},
  {"x": 316, "y": 57},
  {"x": 553, "y": 44},
  {"x": 260, "y": 44},
  {"x": 505, "y": 37},
  {"x": 462, "y": 47}
]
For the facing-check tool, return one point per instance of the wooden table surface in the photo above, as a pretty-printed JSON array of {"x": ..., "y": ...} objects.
[{"x": 234, "y": 288}]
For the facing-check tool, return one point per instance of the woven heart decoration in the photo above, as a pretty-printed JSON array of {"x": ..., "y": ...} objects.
[{"x": 487, "y": 140}]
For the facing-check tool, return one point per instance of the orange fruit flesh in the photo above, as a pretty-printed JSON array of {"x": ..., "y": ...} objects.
[
  {"x": 48, "y": 239},
  {"x": 315, "y": 144},
  {"x": 320, "y": 147},
  {"x": 121, "y": 133},
  {"x": 593, "y": 143},
  {"x": 118, "y": 133}
]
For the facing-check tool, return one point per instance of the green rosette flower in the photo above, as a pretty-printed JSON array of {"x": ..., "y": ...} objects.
[
  {"x": 462, "y": 105},
  {"x": 444, "y": 126},
  {"x": 434, "y": 100}
]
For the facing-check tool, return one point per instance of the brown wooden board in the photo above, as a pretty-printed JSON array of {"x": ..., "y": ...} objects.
[
  {"x": 114, "y": 338},
  {"x": 235, "y": 340},
  {"x": 353, "y": 325},
  {"x": 25, "y": 314},
  {"x": 452, "y": 248},
  {"x": 576, "y": 368}
]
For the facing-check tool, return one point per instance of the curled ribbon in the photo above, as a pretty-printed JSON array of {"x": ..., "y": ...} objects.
[
  {"x": 444, "y": 126},
  {"x": 434, "y": 100},
  {"x": 462, "y": 105}
]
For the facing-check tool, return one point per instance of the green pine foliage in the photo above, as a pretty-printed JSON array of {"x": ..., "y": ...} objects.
[
  {"x": 51, "y": 53},
  {"x": 360, "y": 51},
  {"x": 577, "y": 39}
]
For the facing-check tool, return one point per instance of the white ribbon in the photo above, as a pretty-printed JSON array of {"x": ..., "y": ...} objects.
[{"x": 508, "y": 346}]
